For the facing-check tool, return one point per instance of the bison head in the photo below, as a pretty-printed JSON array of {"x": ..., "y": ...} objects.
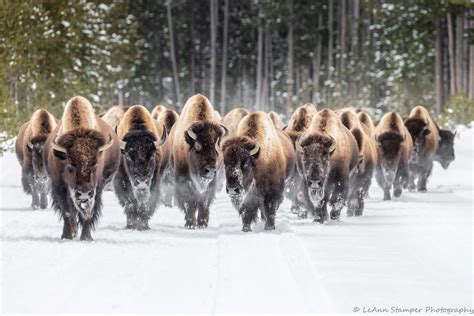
[
  {"x": 81, "y": 151},
  {"x": 240, "y": 156},
  {"x": 418, "y": 129},
  {"x": 314, "y": 157},
  {"x": 389, "y": 148},
  {"x": 204, "y": 141},
  {"x": 139, "y": 157},
  {"x": 445, "y": 154},
  {"x": 35, "y": 147}
]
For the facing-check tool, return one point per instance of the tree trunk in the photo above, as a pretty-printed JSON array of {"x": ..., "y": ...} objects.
[
  {"x": 270, "y": 62},
  {"x": 317, "y": 60},
  {"x": 212, "y": 75},
  {"x": 258, "y": 90},
  {"x": 459, "y": 51},
  {"x": 342, "y": 38},
  {"x": 224, "y": 57},
  {"x": 452, "y": 64},
  {"x": 438, "y": 69},
  {"x": 471, "y": 60},
  {"x": 290, "y": 59},
  {"x": 177, "y": 96},
  {"x": 264, "y": 98},
  {"x": 330, "y": 44},
  {"x": 193, "y": 54}
]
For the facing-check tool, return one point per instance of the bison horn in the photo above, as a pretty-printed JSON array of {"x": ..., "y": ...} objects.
[
  {"x": 254, "y": 150},
  {"x": 123, "y": 144},
  {"x": 57, "y": 147},
  {"x": 160, "y": 142},
  {"x": 226, "y": 131},
  {"x": 106, "y": 146},
  {"x": 218, "y": 147},
  {"x": 29, "y": 143},
  {"x": 333, "y": 145},
  {"x": 191, "y": 133}
]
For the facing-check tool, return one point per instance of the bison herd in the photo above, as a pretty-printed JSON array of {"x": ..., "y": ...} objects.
[{"x": 319, "y": 160}]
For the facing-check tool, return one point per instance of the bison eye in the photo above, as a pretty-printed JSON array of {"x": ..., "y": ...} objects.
[
  {"x": 197, "y": 147},
  {"x": 70, "y": 168}
]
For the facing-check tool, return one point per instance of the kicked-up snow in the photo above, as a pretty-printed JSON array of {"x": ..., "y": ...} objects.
[{"x": 415, "y": 251}]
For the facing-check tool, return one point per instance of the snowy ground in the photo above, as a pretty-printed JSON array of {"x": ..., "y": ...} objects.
[{"x": 415, "y": 251}]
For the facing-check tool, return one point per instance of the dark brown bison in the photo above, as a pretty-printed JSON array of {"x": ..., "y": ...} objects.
[
  {"x": 276, "y": 120},
  {"x": 361, "y": 178},
  {"x": 299, "y": 122},
  {"x": 258, "y": 160},
  {"x": 29, "y": 147},
  {"x": 394, "y": 147},
  {"x": 81, "y": 156},
  {"x": 232, "y": 119},
  {"x": 114, "y": 115},
  {"x": 425, "y": 137},
  {"x": 195, "y": 142},
  {"x": 445, "y": 153},
  {"x": 167, "y": 118},
  {"x": 157, "y": 110},
  {"x": 327, "y": 154},
  {"x": 142, "y": 163}
]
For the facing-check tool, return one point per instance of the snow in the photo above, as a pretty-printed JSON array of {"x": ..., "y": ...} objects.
[{"x": 415, "y": 251}]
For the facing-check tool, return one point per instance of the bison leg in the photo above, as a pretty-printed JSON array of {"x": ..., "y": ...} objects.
[
  {"x": 203, "y": 216},
  {"x": 248, "y": 212},
  {"x": 190, "y": 215},
  {"x": 423, "y": 178},
  {"x": 271, "y": 203},
  {"x": 321, "y": 212},
  {"x": 338, "y": 199},
  {"x": 360, "y": 202},
  {"x": 70, "y": 226},
  {"x": 35, "y": 203},
  {"x": 44, "y": 201},
  {"x": 386, "y": 193},
  {"x": 86, "y": 231}
]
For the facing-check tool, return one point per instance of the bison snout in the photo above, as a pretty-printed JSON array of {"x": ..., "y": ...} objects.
[
  {"x": 233, "y": 190},
  {"x": 209, "y": 172},
  {"x": 84, "y": 195},
  {"x": 142, "y": 184}
]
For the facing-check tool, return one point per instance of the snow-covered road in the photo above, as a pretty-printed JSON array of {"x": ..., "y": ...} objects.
[{"x": 415, "y": 251}]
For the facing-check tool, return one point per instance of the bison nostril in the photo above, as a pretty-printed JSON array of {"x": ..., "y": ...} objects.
[
  {"x": 233, "y": 190},
  {"x": 84, "y": 195}
]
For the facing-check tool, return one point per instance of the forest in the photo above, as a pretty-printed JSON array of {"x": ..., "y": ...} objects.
[{"x": 271, "y": 55}]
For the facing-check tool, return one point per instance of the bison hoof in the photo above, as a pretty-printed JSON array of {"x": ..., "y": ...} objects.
[
  {"x": 68, "y": 236},
  {"x": 350, "y": 213},
  {"x": 86, "y": 238},
  {"x": 422, "y": 190},
  {"x": 318, "y": 220},
  {"x": 35, "y": 207},
  {"x": 246, "y": 228},
  {"x": 303, "y": 215},
  {"x": 269, "y": 227},
  {"x": 411, "y": 188},
  {"x": 189, "y": 226},
  {"x": 334, "y": 217},
  {"x": 202, "y": 225},
  {"x": 397, "y": 192},
  {"x": 358, "y": 213}
]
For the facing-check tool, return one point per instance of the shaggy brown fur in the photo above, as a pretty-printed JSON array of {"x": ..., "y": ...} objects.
[
  {"x": 168, "y": 118},
  {"x": 29, "y": 151},
  {"x": 276, "y": 120},
  {"x": 114, "y": 115},
  {"x": 425, "y": 136},
  {"x": 327, "y": 154},
  {"x": 138, "y": 118},
  {"x": 232, "y": 119},
  {"x": 394, "y": 147},
  {"x": 300, "y": 120},
  {"x": 195, "y": 139},
  {"x": 82, "y": 167},
  {"x": 257, "y": 181},
  {"x": 157, "y": 110},
  {"x": 367, "y": 123},
  {"x": 361, "y": 179}
]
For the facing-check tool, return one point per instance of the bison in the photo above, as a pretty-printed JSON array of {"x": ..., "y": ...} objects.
[
  {"x": 114, "y": 115},
  {"x": 232, "y": 119},
  {"x": 445, "y": 153},
  {"x": 157, "y": 110},
  {"x": 367, "y": 123},
  {"x": 195, "y": 140},
  {"x": 167, "y": 118},
  {"x": 142, "y": 162},
  {"x": 394, "y": 147},
  {"x": 327, "y": 154},
  {"x": 258, "y": 160},
  {"x": 425, "y": 137},
  {"x": 81, "y": 156},
  {"x": 29, "y": 147},
  {"x": 276, "y": 120},
  {"x": 361, "y": 178}
]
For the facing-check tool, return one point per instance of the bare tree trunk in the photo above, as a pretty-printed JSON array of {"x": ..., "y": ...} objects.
[
  {"x": 452, "y": 65},
  {"x": 212, "y": 75},
  {"x": 264, "y": 98},
  {"x": 270, "y": 57},
  {"x": 120, "y": 97},
  {"x": 438, "y": 69},
  {"x": 471, "y": 59},
  {"x": 342, "y": 38},
  {"x": 193, "y": 53},
  {"x": 290, "y": 59},
  {"x": 317, "y": 60},
  {"x": 465, "y": 53},
  {"x": 258, "y": 90},
  {"x": 177, "y": 95},
  {"x": 459, "y": 51},
  {"x": 330, "y": 44},
  {"x": 224, "y": 57}
]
